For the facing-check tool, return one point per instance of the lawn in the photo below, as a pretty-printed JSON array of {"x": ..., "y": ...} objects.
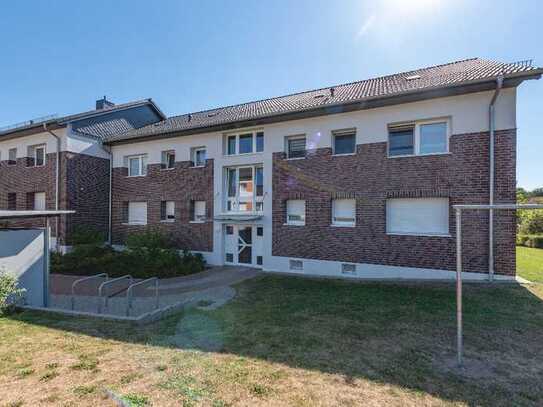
[
  {"x": 286, "y": 341},
  {"x": 530, "y": 263}
]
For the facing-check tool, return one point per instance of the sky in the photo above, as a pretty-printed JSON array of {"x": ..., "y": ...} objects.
[{"x": 60, "y": 56}]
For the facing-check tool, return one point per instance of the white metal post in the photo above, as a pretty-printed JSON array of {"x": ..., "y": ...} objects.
[
  {"x": 46, "y": 261},
  {"x": 459, "y": 342}
]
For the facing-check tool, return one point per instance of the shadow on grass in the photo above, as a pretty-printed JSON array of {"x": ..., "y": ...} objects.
[{"x": 397, "y": 334}]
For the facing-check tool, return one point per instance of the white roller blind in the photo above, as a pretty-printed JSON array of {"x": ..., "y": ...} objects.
[
  {"x": 200, "y": 210},
  {"x": 170, "y": 210},
  {"x": 296, "y": 211},
  {"x": 39, "y": 201},
  {"x": 418, "y": 216},
  {"x": 343, "y": 211},
  {"x": 137, "y": 213}
]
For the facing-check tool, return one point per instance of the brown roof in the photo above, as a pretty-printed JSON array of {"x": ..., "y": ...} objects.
[{"x": 420, "y": 80}]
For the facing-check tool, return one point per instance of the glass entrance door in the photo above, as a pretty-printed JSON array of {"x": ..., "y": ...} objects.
[{"x": 245, "y": 244}]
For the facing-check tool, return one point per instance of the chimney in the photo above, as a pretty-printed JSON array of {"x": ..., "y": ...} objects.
[{"x": 103, "y": 104}]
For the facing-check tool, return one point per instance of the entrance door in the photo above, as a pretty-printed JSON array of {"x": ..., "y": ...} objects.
[{"x": 242, "y": 244}]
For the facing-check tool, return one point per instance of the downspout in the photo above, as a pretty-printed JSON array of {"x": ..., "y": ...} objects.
[
  {"x": 110, "y": 205},
  {"x": 57, "y": 182},
  {"x": 492, "y": 127}
]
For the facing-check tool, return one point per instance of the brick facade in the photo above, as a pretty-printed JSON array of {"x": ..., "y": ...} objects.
[
  {"x": 182, "y": 184},
  {"x": 84, "y": 187},
  {"x": 371, "y": 177}
]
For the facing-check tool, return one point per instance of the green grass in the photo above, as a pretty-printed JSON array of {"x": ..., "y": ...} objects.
[
  {"x": 291, "y": 342},
  {"x": 530, "y": 263}
]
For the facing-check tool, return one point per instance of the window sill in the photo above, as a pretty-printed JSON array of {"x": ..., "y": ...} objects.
[
  {"x": 197, "y": 221},
  {"x": 419, "y": 234},
  {"x": 135, "y": 176},
  {"x": 293, "y": 224},
  {"x": 197, "y": 166},
  {"x": 168, "y": 221},
  {"x": 134, "y": 224},
  {"x": 243, "y": 154},
  {"x": 345, "y": 225},
  {"x": 167, "y": 169},
  {"x": 343, "y": 155},
  {"x": 419, "y": 155},
  {"x": 295, "y": 158}
]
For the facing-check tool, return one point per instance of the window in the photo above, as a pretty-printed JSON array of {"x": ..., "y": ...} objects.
[
  {"x": 168, "y": 159},
  {"x": 296, "y": 265},
  {"x": 229, "y": 257},
  {"x": 199, "y": 157},
  {"x": 401, "y": 141},
  {"x": 137, "y": 213},
  {"x": 418, "y": 139},
  {"x": 12, "y": 156},
  {"x": 347, "y": 268},
  {"x": 296, "y": 212},
  {"x": 137, "y": 165},
  {"x": 198, "y": 211},
  {"x": 229, "y": 230},
  {"x": 245, "y": 189},
  {"x": 167, "y": 211},
  {"x": 36, "y": 156},
  {"x": 295, "y": 147},
  {"x": 260, "y": 231},
  {"x": 12, "y": 201},
  {"x": 259, "y": 260},
  {"x": 343, "y": 212},
  {"x": 39, "y": 201},
  {"x": 433, "y": 138},
  {"x": 344, "y": 142},
  {"x": 245, "y": 143},
  {"x": 417, "y": 216}
]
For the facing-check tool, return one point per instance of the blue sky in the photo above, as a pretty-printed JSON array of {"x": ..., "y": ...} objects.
[{"x": 60, "y": 56}]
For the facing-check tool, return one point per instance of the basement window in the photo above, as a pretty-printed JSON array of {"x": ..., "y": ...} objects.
[
  {"x": 348, "y": 268},
  {"x": 296, "y": 265}
]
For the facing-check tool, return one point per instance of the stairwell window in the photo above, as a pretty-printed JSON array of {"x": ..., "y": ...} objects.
[
  {"x": 137, "y": 165},
  {"x": 344, "y": 212},
  {"x": 248, "y": 142},
  {"x": 418, "y": 138}
]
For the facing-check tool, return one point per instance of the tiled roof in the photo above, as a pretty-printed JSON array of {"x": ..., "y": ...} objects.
[
  {"x": 98, "y": 130},
  {"x": 440, "y": 76}
]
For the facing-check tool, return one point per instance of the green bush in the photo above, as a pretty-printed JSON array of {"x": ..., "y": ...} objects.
[
  {"x": 86, "y": 235},
  {"x": 149, "y": 254},
  {"x": 10, "y": 294},
  {"x": 535, "y": 241}
]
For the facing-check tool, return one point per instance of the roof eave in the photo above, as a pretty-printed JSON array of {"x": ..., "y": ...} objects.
[
  {"x": 31, "y": 130},
  {"x": 459, "y": 88}
]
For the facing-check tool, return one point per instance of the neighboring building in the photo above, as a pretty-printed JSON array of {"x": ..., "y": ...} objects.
[
  {"x": 28, "y": 163},
  {"x": 356, "y": 179}
]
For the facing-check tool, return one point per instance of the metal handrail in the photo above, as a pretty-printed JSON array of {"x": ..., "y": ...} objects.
[
  {"x": 76, "y": 282},
  {"x": 103, "y": 304},
  {"x": 129, "y": 293}
]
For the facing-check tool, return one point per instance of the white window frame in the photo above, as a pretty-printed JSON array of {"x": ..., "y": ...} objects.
[
  {"x": 390, "y": 231},
  {"x": 416, "y": 136},
  {"x": 194, "y": 154},
  {"x": 199, "y": 218},
  {"x": 35, "y": 155},
  {"x": 40, "y": 194},
  {"x": 294, "y": 222},
  {"x": 343, "y": 223},
  {"x": 10, "y": 161},
  {"x": 166, "y": 161},
  {"x": 243, "y": 133},
  {"x": 129, "y": 222},
  {"x": 141, "y": 166},
  {"x": 169, "y": 212},
  {"x": 295, "y": 137},
  {"x": 344, "y": 132},
  {"x": 235, "y": 201}
]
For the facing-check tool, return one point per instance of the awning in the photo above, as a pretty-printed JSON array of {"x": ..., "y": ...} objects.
[{"x": 237, "y": 217}]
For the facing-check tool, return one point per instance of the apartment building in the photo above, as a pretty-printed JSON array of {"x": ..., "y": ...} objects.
[
  {"x": 357, "y": 179},
  {"x": 61, "y": 163}
]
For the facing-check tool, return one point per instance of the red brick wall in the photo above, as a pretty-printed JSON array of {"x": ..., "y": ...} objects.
[
  {"x": 371, "y": 178},
  {"x": 84, "y": 188},
  {"x": 182, "y": 185}
]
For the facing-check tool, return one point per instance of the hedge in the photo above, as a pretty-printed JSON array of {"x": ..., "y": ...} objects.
[{"x": 535, "y": 241}]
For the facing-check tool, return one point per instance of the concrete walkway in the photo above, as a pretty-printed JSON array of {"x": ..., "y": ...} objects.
[{"x": 211, "y": 287}]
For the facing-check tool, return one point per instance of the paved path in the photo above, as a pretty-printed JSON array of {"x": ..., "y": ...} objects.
[{"x": 212, "y": 286}]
